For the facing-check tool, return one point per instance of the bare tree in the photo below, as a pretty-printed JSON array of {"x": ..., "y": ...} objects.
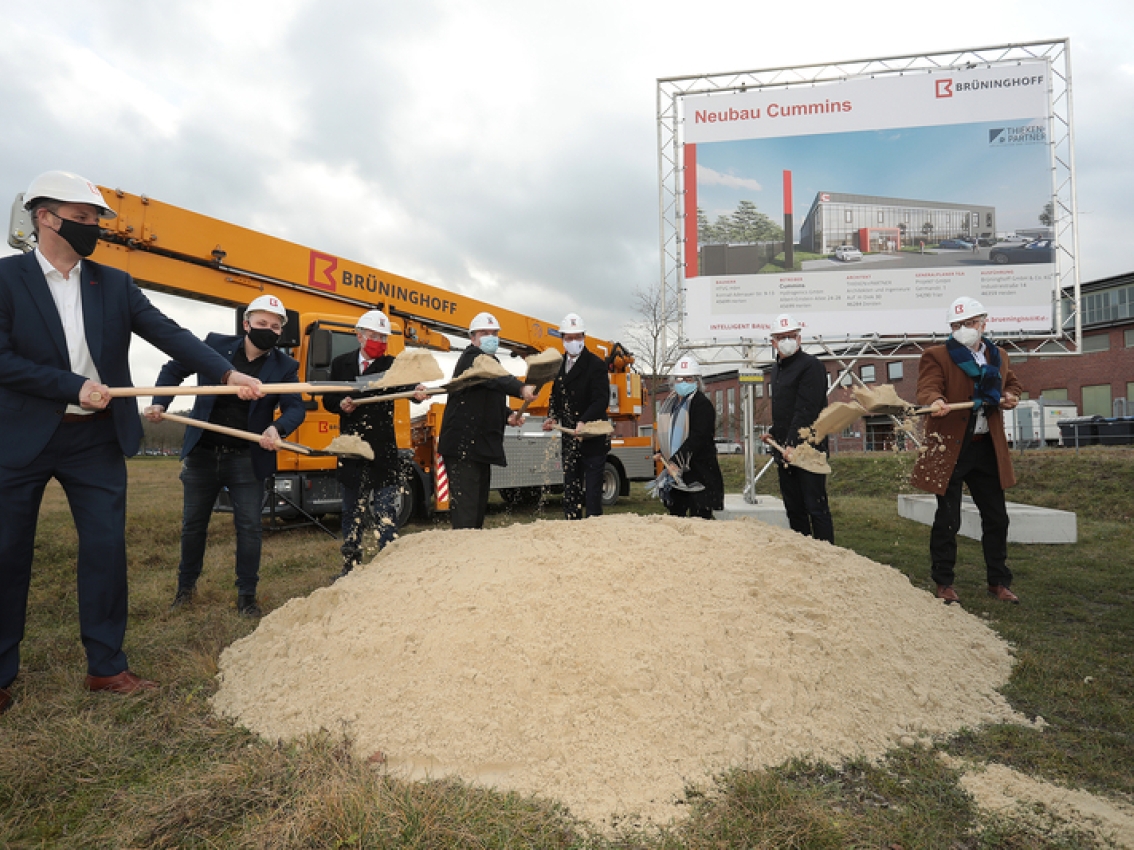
[{"x": 652, "y": 337}]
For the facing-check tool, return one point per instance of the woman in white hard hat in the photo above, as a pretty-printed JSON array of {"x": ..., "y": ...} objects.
[
  {"x": 472, "y": 428},
  {"x": 212, "y": 461},
  {"x": 967, "y": 446},
  {"x": 691, "y": 483}
]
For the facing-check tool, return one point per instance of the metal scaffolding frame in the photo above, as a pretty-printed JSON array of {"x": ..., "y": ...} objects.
[{"x": 1066, "y": 337}]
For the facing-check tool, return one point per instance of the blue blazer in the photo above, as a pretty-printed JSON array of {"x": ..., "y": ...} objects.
[
  {"x": 279, "y": 368},
  {"x": 36, "y": 381}
]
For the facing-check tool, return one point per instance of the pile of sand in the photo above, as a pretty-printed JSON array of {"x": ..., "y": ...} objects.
[{"x": 611, "y": 662}]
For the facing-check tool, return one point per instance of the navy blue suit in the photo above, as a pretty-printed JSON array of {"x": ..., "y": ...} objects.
[
  {"x": 279, "y": 368},
  {"x": 87, "y": 458}
]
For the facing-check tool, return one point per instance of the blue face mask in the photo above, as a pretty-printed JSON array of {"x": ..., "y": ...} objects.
[
  {"x": 685, "y": 389},
  {"x": 489, "y": 344}
]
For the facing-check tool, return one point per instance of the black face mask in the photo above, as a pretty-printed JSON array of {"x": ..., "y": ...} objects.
[
  {"x": 81, "y": 237},
  {"x": 264, "y": 339}
]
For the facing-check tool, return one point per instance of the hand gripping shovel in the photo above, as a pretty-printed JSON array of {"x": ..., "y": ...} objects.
[
  {"x": 803, "y": 456},
  {"x": 255, "y": 438},
  {"x": 885, "y": 401}
]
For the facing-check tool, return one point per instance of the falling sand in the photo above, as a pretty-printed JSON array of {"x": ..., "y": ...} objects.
[
  {"x": 810, "y": 458},
  {"x": 833, "y": 419},
  {"x": 612, "y": 664}
]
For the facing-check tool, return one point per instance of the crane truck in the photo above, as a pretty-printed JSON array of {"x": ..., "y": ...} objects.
[{"x": 173, "y": 250}]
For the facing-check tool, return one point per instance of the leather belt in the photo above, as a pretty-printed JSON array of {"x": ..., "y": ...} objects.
[{"x": 87, "y": 417}]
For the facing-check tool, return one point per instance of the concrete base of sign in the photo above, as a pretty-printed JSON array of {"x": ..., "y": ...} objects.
[
  {"x": 1029, "y": 524},
  {"x": 766, "y": 509}
]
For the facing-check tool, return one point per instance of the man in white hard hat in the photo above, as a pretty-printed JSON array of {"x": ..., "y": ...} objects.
[
  {"x": 967, "y": 446},
  {"x": 799, "y": 393},
  {"x": 580, "y": 394},
  {"x": 65, "y": 329},
  {"x": 369, "y": 487},
  {"x": 211, "y": 461},
  {"x": 472, "y": 429}
]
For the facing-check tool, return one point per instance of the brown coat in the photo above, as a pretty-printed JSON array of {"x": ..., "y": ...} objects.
[{"x": 939, "y": 377}]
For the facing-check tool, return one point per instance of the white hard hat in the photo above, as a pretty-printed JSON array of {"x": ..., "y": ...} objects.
[
  {"x": 965, "y": 308},
  {"x": 69, "y": 188},
  {"x": 374, "y": 320},
  {"x": 686, "y": 366},
  {"x": 484, "y": 322},
  {"x": 785, "y": 324},
  {"x": 572, "y": 324},
  {"x": 267, "y": 304}
]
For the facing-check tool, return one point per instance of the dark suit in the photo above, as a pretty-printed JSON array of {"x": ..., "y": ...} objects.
[
  {"x": 581, "y": 394},
  {"x": 87, "y": 458},
  {"x": 472, "y": 440},
  {"x": 369, "y": 487},
  {"x": 242, "y": 470}
]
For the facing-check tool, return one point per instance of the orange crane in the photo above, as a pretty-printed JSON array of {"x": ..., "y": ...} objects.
[{"x": 180, "y": 252}]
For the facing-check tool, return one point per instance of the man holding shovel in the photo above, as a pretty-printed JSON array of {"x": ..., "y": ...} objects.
[
  {"x": 967, "y": 446},
  {"x": 369, "y": 487},
  {"x": 799, "y": 393},
  {"x": 580, "y": 393},
  {"x": 65, "y": 330},
  {"x": 210, "y": 460},
  {"x": 472, "y": 428}
]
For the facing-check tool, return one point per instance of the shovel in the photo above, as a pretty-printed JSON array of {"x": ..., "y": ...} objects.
[
  {"x": 255, "y": 438},
  {"x": 542, "y": 369},
  {"x": 361, "y": 385},
  {"x": 597, "y": 428},
  {"x": 886, "y": 401},
  {"x": 453, "y": 386},
  {"x": 803, "y": 456}
]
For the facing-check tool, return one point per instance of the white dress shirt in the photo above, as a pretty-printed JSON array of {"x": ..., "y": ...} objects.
[{"x": 68, "y": 301}]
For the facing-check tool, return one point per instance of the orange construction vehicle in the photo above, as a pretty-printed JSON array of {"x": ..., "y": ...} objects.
[{"x": 173, "y": 250}]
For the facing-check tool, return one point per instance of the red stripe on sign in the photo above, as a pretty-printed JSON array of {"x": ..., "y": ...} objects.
[
  {"x": 787, "y": 193},
  {"x": 692, "y": 267}
]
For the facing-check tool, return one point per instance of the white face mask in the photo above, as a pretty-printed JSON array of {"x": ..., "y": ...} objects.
[
  {"x": 968, "y": 337},
  {"x": 574, "y": 347},
  {"x": 787, "y": 347}
]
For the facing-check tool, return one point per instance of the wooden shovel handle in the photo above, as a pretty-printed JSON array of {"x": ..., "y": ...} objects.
[
  {"x": 233, "y": 432},
  {"x": 957, "y": 405},
  {"x": 217, "y": 389},
  {"x": 395, "y": 396}
]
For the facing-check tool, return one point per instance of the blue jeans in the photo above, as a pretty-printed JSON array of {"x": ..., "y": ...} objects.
[
  {"x": 365, "y": 508},
  {"x": 203, "y": 474}
]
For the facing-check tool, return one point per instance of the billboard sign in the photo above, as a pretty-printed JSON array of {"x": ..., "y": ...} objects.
[{"x": 910, "y": 190}]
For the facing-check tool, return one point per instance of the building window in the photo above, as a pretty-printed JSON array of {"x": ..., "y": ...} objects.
[
  {"x": 1053, "y": 395},
  {"x": 867, "y": 374},
  {"x": 757, "y": 390},
  {"x": 881, "y": 216},
  {"x": 848, "y": 217},
  {"x": 1128, "y": 338},
  {"x": 894, "y": 371},
  {"x": 1096, "y": 342},
  {"x": 1096, "y": 400}
]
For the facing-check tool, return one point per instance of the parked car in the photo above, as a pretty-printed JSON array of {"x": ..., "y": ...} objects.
[
  {"x": 957, "y": 244},
  {"x": 1040, "y": 251},
  {"x": 985, "y": 241},
  {"x": 846, "y": 253},
  {"x": 729, "y": 447}
]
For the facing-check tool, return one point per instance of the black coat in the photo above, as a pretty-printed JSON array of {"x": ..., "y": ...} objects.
[
  {"x": 475, "y": 418},
  {"x": 374, "y": 423},
  {"x": 582, "y": 395},
  {"x": 697, "y": 455},
  {"x": 799, "y": 394}
]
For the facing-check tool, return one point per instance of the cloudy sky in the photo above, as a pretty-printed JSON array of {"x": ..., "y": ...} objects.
[{"x": 504, "y": 149}]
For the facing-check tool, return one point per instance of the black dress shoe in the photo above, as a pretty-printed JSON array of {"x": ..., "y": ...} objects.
[
  {"x": 121, "y": 683},
  {"x": 5, "y": 700},
  {"x": 184, "y": 597},
  {"x": 247, "y": 606}
]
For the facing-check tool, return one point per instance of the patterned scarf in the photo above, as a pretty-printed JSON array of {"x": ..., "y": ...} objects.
[{"x": 986, "y": 379}]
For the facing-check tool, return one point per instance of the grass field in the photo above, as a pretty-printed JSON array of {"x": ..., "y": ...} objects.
[{"x": 96, "y": 770}]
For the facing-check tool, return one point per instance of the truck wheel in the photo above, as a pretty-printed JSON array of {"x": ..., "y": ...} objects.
[
  {"x": 407, "y": 500},
  {"x": 611, "y": 484}
]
